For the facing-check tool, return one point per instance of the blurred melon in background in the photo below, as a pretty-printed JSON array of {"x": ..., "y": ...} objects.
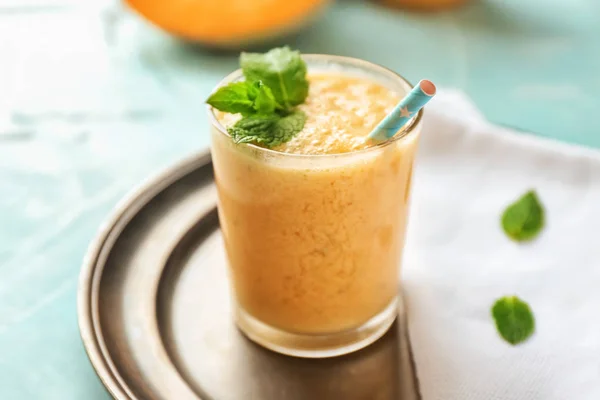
[
  {"x": 229, "y": 23},
  {"x": 423, "y": 5}
]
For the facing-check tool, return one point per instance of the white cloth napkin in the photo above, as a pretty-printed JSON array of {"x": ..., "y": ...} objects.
[{"x": 458, "y": 261}]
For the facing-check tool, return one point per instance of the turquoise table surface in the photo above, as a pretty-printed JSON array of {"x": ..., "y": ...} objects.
[{"x": 93, "y": 101}]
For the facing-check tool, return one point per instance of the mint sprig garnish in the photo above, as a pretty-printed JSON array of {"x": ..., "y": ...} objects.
[
  {"x": 514, "y": 319},
  {"x": 275, "y": 84},
  {"x": 282, "y": 70},
  {"x": 524, "y": 219}
]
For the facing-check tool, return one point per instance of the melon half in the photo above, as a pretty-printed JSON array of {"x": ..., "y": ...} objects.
[
  {"x": 228, "y": 23},
  {"x": 424, "y": 5}
]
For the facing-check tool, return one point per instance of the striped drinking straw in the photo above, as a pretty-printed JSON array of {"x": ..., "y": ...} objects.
[{"x": 408, "y": 107}]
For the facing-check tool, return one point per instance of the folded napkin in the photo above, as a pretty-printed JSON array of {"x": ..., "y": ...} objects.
[{"x": 458, "y": 261}]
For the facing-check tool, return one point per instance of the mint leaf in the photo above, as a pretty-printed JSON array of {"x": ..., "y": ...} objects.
[
  {"x": 267, "y": 130},
  {"x": 264, "y": 103},
  {"x": 286, "y": 128},
  {"x": 255, "y": 128},
  {"x": 524, "y": 219},
  {"x": 514, "y": 319},
  {"x": 237, "y": 97},
  {"x": 282, "y": 70},
  {"x": 246, "y": 98}
]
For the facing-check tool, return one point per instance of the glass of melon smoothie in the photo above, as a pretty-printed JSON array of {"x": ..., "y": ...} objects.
[{"x": 314, "y": 228}]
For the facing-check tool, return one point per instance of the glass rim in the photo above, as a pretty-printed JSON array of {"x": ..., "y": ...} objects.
[{"x": 367, "y": 65}]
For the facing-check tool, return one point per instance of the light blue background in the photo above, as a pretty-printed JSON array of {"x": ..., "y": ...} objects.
[{"x": 87, "y": 111}]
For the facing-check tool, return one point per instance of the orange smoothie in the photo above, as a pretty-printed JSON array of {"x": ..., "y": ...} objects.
[{"x": 314, "y": 228}]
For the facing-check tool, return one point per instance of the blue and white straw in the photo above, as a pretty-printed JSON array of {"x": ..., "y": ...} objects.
[{"x": 408, "y": 107}]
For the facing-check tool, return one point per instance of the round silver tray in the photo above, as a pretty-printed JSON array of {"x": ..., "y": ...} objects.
[{"x": 154, "y": 311}]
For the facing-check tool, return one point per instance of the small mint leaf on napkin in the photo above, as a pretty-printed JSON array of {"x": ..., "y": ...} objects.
[
  {"x": 514, "y": 319},
  {"x": 524, "y": 219},
  {"x": 268, "y": 130},
  {"x": 282, "y": 70}
]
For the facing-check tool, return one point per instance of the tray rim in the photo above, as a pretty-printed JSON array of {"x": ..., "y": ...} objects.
[{"x": 92, "y": 339}]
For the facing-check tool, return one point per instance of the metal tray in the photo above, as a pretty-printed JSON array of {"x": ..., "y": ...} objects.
[{"x": 154, "y": 312}]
